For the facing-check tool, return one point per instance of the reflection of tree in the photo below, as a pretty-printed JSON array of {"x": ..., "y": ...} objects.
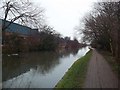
[
  {"x": 14, "y": 66},
  {"x": 9, "y": 65},
  {"x": 42, "y": 62},
  {"x": 69, "y": 51},
  {"x": 45, "y": 61},
  {"x": 75, "y": 51}
]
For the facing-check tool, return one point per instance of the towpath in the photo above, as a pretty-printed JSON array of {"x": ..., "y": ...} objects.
[{"x": 100, "y": 74}]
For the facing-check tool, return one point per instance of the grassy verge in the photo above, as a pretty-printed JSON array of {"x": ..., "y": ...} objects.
[
  {"x": 75, "y": 76},
  {"x": 111, "y": 60}
]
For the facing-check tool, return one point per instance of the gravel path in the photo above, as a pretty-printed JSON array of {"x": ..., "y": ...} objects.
[{"x": 100, "y": 74}]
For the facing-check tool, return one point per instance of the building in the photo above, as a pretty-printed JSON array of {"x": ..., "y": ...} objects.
[
  {"x": 18, "y": 29},
  {"x": 27, "y": 36}
]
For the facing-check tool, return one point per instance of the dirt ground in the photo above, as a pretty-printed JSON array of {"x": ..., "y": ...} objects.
[{"x": 100, "y": 74}]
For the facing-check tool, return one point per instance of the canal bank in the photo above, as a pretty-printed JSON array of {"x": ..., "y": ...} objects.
[{"x": 75, "y": 76}]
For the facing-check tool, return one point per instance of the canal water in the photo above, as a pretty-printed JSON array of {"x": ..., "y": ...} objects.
[{"x": 37, "y": 69}]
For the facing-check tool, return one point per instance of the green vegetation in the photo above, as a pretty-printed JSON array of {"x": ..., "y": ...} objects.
[{"x": 75, "y": 76}]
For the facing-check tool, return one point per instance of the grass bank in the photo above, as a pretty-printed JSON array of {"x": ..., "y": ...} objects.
[{"x": 75, "y": 76}]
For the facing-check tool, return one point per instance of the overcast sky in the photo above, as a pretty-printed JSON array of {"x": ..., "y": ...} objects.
[{"x": 64, "y": 15}]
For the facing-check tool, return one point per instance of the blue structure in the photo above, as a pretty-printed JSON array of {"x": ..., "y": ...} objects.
[{"x": 19, "y": 29}]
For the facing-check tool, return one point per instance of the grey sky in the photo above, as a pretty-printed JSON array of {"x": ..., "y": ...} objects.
[{"x": 64, "y": 15}]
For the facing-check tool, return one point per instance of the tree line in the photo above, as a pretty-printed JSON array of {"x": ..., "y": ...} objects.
[
  {"x": 26, "y": 13},
  {"x": 102, "y": 27},
  {"x": 45, "y": 40}
]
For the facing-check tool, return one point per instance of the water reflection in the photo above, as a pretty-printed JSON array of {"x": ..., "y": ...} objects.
[
  {"x": 16, "y": 65},
  {"x": 37, "y": 69}
]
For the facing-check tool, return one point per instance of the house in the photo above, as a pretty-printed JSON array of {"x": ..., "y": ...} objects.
[
  {"x": 18, "y": 29},
  {"x": 27, "y": 35}
]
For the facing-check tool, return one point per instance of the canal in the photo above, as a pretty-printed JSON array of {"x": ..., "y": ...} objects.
[{"x": 37, "y": 69}]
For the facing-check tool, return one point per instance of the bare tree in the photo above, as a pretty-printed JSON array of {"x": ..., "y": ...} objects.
[
  {"x": 23, "y": 12},
  {"x": 102, "y": 26}
]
